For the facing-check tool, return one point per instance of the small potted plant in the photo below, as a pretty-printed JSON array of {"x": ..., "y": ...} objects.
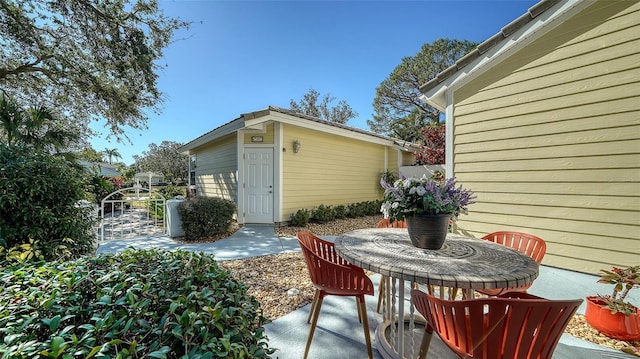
[
  {"x": 427, "y": 205},
  {"x": 611, "y": 314}
]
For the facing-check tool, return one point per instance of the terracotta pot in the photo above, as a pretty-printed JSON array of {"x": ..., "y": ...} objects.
[
  {"x": 617, "y": 326},
  {"x": 428, "y": 231}
]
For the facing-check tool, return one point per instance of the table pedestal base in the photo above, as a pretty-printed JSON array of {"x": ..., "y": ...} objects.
[{"x": 384, "y": 333}]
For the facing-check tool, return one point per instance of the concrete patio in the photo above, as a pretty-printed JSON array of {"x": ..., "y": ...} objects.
[{"x": 339, "y": 333}]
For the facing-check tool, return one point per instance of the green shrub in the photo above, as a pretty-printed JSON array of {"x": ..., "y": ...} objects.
[
  {"x": 322, "y": 214},
  {"x": 156, "y": 209},
  {"x": 300, "y": 218},
  {"x": 40, "y": 205},
  {"x": 136, "y": 304},
  {"x": 389, "y": 177},
  {"x": 371, "y": 208},
  {"x": 355, "y": 210},
  {"x": 340, "y": 211},
  {"x": 203, "y": 217},
  {"x": 171, "y": 191}
]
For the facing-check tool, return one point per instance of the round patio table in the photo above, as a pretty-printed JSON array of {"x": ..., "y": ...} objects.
[{"x": 462, "y": 263}]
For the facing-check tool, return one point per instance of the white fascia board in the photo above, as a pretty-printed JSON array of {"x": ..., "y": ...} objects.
[
  {"x": 542, "y": 24},
  {"x": 318, "y": 126},
  {"x": 226, "y": 129}
]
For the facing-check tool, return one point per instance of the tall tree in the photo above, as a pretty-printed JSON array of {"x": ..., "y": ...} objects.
[
  {"x": 397, "y": 102},
  {"x": 96, "y": 59},
  {"x": 35, "y": 128},
  {"x": 308, "y": 105},
  {"x": 111, "y": 153},
  {"x": 165, "y": 159},
  {"x": 90, "y": 154},
  {"x": 409, "y": 128}
]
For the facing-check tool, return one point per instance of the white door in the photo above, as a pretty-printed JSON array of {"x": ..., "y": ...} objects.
[{"x": 258, "y": 188}]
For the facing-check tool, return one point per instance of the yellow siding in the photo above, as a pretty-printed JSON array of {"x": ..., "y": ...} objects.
[
  {"x": 328, "y": 169},
  {"x": 549, "y": 140},
  {"x": 267, "y": 137},
  {"x": 392, "y": 160},
  {"x": 408, "y": 159},
  {"x": 216, "y": 169}
]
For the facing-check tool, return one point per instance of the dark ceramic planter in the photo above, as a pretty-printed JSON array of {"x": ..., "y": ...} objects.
[
  {"x": 428, "y": 231},
  {"x": 617, "y": 326}
]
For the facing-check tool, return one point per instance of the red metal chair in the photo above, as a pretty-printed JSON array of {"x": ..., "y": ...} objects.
[
  {"x": 332, "y": 275},
  {"x": 533, "y": 246},
  {"x": 514, "y": 325},
  {"x": 386, "y": 223}
]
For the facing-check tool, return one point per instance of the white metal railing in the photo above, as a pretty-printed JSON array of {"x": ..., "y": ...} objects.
[{"x": 132, "y": 212}]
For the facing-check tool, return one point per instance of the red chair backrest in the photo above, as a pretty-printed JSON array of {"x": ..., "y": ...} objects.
[
  {"x": 514, "y": 325},
  {"x": 330, "y": 272},
  {"x": 320, "y": 247},
  {"x": 386, "y": 223},
  {"x": 533, "y": 246}
]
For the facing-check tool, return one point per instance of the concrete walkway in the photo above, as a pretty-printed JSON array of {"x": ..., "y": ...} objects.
[{"x": 339, "y": 334}]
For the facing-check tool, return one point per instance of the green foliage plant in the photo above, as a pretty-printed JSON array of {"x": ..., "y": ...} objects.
[
  {"x": 300, "y": 218},
  {"x": 323, "y": 214},
  {"x": 623, "y": 280},
  {"x": 355, "y": 210},
  {"x": 340, "y": 211},
  {"x": 371, "y": 208},
  {"x": 136, "y": 304},
  {"x": 203, "y": 217},
  {"x": 40, "y": 204},
  {"x": 170, "y": 191}
]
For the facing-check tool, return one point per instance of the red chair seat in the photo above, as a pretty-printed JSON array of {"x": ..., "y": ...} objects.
[
  {"x": 514, "y": 325},
  {"x": 332, "y": 275}
]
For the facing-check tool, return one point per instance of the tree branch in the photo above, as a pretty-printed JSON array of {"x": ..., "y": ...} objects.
[{"x": 28, "y": 67}]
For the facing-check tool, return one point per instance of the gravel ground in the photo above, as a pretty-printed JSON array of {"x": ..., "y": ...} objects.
[{"x": 281, "y": 294}]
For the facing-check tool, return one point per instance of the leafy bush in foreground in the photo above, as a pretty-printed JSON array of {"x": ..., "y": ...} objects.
[
  {"x": 136, "y": 304},
  {"x": 204, "y": 217},
  {"x": 39, "y": 205}
]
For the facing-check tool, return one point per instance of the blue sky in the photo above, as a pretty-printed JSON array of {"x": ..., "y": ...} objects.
[{"x": 242, "y": 56}]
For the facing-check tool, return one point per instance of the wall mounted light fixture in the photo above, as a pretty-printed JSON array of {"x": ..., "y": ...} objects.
[{"x": 296, "y": 146}]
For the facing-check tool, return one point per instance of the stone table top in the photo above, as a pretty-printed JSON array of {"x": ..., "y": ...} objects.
[{"x": 462, "y": 262}]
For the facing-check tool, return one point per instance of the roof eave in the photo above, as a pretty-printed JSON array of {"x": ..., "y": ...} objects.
[
  {"x": 226, "y": 129},
  {"x": 499, "y": 46},
  {"x": 257, "y": 118}
]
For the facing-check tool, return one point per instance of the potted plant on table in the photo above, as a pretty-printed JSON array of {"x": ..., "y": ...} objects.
[
  {"x": 611, "y": 314},
  {"x": 427, "y": 205}
]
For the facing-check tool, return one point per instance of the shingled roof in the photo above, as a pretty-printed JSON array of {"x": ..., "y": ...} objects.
[
  {"x": 239, "y": 123},
  {"x": 488, "y": 44}
]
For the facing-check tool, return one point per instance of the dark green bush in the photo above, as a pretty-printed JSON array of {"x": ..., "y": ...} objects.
[
  {"x": 300, "y": 218},
  {"x": 340, "y": 211},
  {"x": 355, "y": 210},
  {"x": 322, "y": 214},
  {"x": 40, "y": 205},
  {"x": 137, "y": 304},
  {"x": 372, "y": 208},
  {"x": 203, "y": 217},
  {"x": 170, "y": 191}
]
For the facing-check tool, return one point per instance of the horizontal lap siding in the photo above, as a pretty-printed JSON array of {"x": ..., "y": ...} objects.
[
  {"x": 549, "y": 140},
  {"x": 329, "y": 170},
  {"x": 217, "y": 168}
]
